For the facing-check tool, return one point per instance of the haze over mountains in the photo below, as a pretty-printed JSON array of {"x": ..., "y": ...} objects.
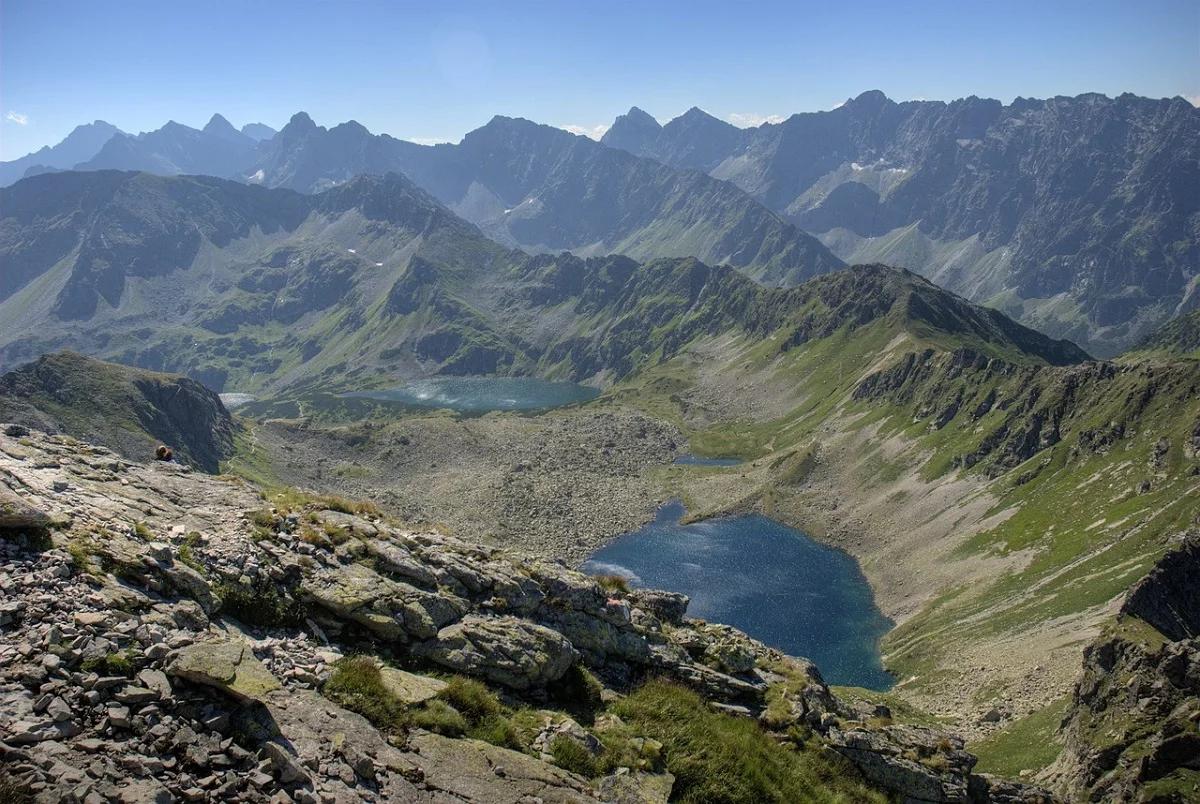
[
  {"x": 217, "y": 149},
  {"x": 1078, "y": 216}
]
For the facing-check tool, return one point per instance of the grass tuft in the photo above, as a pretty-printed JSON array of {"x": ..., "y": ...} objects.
[{"x": 721, "y": 759}]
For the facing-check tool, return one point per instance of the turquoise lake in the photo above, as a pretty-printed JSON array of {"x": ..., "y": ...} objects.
[
  {"x": 483, "y": 394},
  {"x": 696, "y": 460},
  {"x": 771, "y": 581}
]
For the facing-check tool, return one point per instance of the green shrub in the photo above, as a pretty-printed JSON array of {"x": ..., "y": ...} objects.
[
  {"x": 336, "y": 533},
  {"x": 497, "y": 730},
  {"x": 439, "y": 716},
  {"x": 262, "y": 518},
  {"x": 472, "y": 698},
  {"x": 613, "y": 584},
  {"x": 357, "y": 684},
  {"x": 13, "y": 791},
  {"x": 571, "y": 756},
  {"x": 111, "y": 664},
  {"x": 722, "y": 759}
]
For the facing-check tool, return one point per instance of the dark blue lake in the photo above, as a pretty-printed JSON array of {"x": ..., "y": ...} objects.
[
  {"x": 769, "y": 580},
  {"x": 482, "y": 394}
]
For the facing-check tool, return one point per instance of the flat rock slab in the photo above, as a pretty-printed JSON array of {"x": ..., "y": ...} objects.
[
  {"x": 471, "y": 770},
  {"x": 410, "y": 688},
  {"x": 227, "y": 665}
]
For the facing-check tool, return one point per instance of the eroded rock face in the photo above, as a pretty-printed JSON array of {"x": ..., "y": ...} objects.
[
  {"x": 504, "y": 650},
  {"x": 17, "y": 514},
  {"x": 1169, "y": 597},
  {"x": 1132, "y": 731}
]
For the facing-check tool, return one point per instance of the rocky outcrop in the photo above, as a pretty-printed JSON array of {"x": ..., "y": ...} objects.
[
  {"x": 1015, "y": 412},
  {"x": 174, "y": 642},
  {"x": 1169, "y": 597},
  {"x": 503, "y": 650},
  {"x": 1132, "y": 731},
  {"x": 125, "y": 409}
]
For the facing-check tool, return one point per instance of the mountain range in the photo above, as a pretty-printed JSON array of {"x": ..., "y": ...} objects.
[
  {"x": 374, "y": 278},
  {"x": 1078, "y": 216},
  {"x": 217, "y": 149},
  {"x": 994, "y": 482}
]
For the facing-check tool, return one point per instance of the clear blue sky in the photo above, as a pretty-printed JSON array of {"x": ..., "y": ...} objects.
[{"x": 420, "y": 71}]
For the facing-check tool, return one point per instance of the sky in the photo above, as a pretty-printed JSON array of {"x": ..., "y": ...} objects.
[{"x": 428, "y": 72}]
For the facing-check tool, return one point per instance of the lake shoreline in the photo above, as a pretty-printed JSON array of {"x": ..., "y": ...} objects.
[{"x": 776, "y": 583}]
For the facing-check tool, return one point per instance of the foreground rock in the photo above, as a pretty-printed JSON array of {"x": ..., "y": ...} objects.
[
  {"x": 1132, "y": 732},
  {"x": 174, "y": 642}
]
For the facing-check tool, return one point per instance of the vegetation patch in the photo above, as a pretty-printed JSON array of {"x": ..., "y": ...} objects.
[
  {"x": 721, "y": 758},
  {"x": 357, "y": 684},
  {"x": 1030, "y": 743}
]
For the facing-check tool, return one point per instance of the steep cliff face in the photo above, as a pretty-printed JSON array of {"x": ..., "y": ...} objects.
[
  {"x": 128, "y": 410},
  {"x": 1132, "y": 732}
]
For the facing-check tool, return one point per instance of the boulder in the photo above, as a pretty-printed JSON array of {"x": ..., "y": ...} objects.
[
  {"x": 391, "y": 609},
  {"x": 506, "y": 650},
  {"x": 17, "y": 514},
  {"x": 635, "y": 787},
  {"x": 670, "y": 607},
  {"x": 914, "y": 763},
  {"x": 470, "y": 770},
  {"x": 227, "y": 665}
]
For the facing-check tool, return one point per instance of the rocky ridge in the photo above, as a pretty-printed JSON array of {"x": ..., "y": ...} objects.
[
  {"x": 169, "y": 637},
  {"x": 1132, "y": 732}
]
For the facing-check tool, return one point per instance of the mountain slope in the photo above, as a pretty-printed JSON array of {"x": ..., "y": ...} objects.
[
  {"x": 125, "y": 409},
  {"x": 542, "y": 189},
  {"x": 374, "y": 279},
  {"x": 1179, "y": 337},
  {"x": 83, "y": 143},
  {"x": 1076, "y": 215}
]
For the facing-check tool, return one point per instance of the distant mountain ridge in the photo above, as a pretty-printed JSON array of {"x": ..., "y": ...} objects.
[
  {"x": 217, "y": 149},
  {"x": 542, "y": 189},
  {"x": 1076, "y": 215},
  {"x": 81, "y": 144},
  {"x": 246, "y": 287}
]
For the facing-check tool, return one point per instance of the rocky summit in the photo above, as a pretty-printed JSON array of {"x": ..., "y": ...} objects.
[{"x": 176, "y": 636}]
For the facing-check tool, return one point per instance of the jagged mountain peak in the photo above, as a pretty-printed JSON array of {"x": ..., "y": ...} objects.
[
  {"x": 633, "y": 131},
  {"x": 351, "y": 127},
  {"x": 300, "y": 121},
  {"x": 697, "y": 116},
  {"x": 640, "y": 115}
]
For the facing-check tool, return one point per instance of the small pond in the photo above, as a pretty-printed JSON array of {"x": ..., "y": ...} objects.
[{"x": 769, "y": 580}]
